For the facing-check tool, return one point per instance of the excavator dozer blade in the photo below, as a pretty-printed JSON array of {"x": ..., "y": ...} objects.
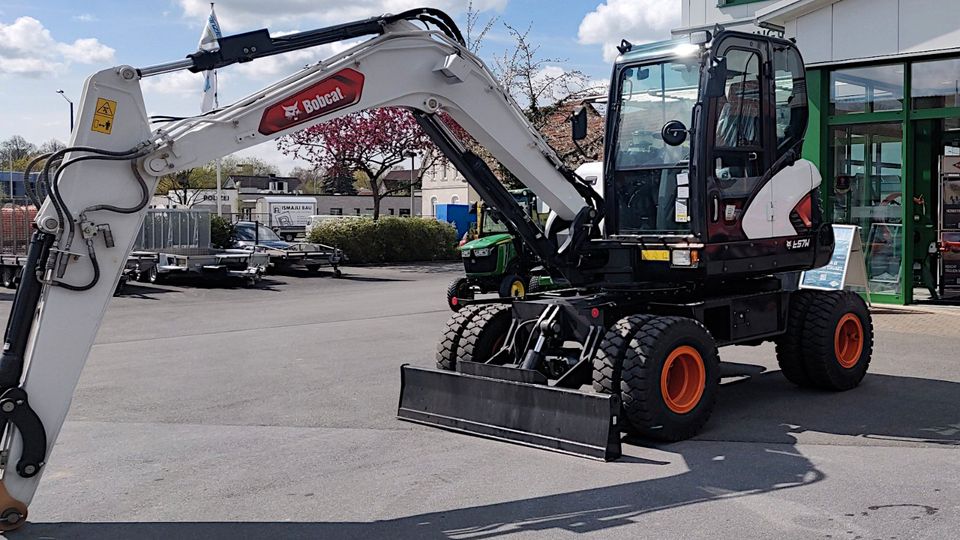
[{"x": 535, "y": 415}]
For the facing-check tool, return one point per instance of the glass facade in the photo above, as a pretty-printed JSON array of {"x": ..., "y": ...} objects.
[
  {"x": 877, "y": 134},
  {"x": 867, "y": 90},
  {"x": 868, "y": 192},
  {"x": 936, "y": 84}
]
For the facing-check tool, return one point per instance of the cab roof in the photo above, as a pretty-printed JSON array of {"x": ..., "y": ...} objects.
[{"x": 661, "y": 49}]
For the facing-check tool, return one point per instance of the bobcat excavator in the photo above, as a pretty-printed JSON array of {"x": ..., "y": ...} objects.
[{"x": 704, "y": 230}]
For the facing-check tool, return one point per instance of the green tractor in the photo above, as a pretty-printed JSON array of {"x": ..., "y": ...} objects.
[{"x": 496, "y": 260}]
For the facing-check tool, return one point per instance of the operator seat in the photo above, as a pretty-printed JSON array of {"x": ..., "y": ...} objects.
[{"x": 739, "y": 122}]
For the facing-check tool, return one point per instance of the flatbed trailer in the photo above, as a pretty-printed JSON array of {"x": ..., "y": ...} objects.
[{"x": 155, "y": 267}]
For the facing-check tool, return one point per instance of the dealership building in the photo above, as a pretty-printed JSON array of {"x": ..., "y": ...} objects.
[{"x": 883, "y": 80}]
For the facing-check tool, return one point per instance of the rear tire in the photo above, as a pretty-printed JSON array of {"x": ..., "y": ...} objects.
[
  {"x": 838, "y": 340},
  {"x": 512, "y": 286},
  {"x": 459, "y": 289},
  {"x": 790, "y": 345},
  {"x": 486, "y": 332},
  {"x": 670, "y": 378}
]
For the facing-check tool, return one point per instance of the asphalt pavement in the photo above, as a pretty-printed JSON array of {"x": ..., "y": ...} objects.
[{"x": 222, "y": 413}]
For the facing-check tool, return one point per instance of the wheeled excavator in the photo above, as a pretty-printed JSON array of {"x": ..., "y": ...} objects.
[{"x": 704, "y": 230}]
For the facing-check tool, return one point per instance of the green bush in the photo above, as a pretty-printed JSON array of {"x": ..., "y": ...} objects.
[
  {"x": 221, "y": 232},
  {"x": 389, "y": 239}
]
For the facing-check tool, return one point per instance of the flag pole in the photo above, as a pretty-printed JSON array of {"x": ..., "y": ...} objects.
[{"x": 216, "y": 105}]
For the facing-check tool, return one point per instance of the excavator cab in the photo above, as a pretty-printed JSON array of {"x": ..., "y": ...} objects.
[{"x": 702, "y": 147}]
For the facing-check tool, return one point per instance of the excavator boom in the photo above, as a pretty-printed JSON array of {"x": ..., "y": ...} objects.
[{"x": 100, "y": 185}]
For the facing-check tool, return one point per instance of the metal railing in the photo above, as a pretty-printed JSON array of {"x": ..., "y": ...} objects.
[{"x": 182, "y": 231}]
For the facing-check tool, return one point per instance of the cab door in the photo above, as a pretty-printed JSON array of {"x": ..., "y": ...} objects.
[{"x": 739, "y": 141}]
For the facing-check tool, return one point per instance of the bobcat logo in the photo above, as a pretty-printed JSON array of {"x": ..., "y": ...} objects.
[{"x": 291, "y": 112}]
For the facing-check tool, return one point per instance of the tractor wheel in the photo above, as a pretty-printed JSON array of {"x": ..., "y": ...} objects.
[
  {"x": 451, "y": 343},
  {"x": 608, "y": 360},
  {"x": 790, "y": 345},
  {"x": 533, "y": 285},
  {"x": 670, "y": 378},
  {"x": 512, "y": 286},
  {"x": 838, "y": 340},
  {"x": 459, "y": 289},
  {"x": 486, "y": 332}
]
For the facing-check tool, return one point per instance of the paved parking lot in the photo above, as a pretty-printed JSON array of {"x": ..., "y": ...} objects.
[{"x": 229, "y": 413}]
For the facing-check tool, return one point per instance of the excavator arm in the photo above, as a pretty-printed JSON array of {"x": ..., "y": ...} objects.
[{"x": 98, "y": 189}]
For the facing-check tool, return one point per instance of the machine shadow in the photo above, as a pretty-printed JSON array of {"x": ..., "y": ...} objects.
[{"x": 766, "y": 412}]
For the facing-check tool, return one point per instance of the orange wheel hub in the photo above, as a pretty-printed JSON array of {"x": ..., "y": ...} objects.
[
  {"x": 848, "y": 340},
  {"x": 683, "y": 379}
]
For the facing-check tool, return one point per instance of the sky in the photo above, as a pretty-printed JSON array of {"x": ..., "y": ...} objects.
[{"x": 50, "y": 45}]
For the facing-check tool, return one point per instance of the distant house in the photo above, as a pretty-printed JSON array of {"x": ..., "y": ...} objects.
[{"x": 264, "y": 185}]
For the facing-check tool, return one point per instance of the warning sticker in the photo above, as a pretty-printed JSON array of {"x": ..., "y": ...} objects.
[{"x": 103, "y": 115}]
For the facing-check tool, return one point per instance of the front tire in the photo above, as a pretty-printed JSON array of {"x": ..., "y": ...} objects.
[
  {"x": 486, "y": 332},
  {"x": 459, "y": 289},
  {"x": 670, "y": 378}
]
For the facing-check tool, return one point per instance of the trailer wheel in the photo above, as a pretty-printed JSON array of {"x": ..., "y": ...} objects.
[
  {"x": 153, "y": 275},
  {"x": 459, "y": 289},
  {"x": 608, "y": 360},
  {"x": 790, "y": 345},
  {"x": 670, "y": 378},
  {"x": 838, "y": 340},
  {"x": 452, "y": 340},
  {"x": 337, "y": 273},
  {"x": 512, "y": 286},
  {"x": 9, "y": 277},
  {"x": 486, "y": 332}
]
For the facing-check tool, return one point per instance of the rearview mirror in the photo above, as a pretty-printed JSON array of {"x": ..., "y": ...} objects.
[
  {"x": 717, "y": 78},
  {"x": 578, "y": 123},
  {"x": 674, "y": 133}
]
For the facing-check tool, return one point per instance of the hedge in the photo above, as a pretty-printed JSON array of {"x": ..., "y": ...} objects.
[{"x": 389, "y": 239}]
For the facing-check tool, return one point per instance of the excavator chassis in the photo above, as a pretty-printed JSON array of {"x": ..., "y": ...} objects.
[{"x": 535, "y": 388}]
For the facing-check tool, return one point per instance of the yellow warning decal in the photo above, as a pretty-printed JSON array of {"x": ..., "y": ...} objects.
[
  {"x": 655, "y": 255},
  {"x": 103, "y": 115}
]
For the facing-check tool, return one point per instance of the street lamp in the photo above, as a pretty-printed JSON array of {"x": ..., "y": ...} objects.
[
  {"x": 413, "y": 179},
  {"x": 64, "y": 96}
]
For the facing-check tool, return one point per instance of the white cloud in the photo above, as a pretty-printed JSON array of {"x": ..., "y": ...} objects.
[
  {"x": 27, "y": 48},
  {"x": 637, "y": 21},
  {"x": 235, "y": 15},
  {"x": 176, "y": 83},
  {"x": 85, "y": 17}
]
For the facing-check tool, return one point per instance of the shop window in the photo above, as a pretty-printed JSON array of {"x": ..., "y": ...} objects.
[
  {"x": 866, "y": 90},
  {"x": 867, "y": 191},
  {"x": 935, "y": 84},
  {"x": 791, "y": 98}
]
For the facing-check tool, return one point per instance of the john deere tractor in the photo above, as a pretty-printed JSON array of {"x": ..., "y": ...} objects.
[{"x": 496, "y": 260}]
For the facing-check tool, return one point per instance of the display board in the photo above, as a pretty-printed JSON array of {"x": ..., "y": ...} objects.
[{"x": 847, "y": 267}]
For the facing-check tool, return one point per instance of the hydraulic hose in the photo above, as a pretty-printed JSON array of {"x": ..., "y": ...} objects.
[{"x": 27, "y": 184}]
